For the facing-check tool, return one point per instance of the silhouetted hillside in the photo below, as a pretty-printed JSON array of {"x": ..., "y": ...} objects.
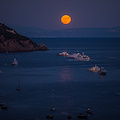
[{"x": 11, "y": 41}]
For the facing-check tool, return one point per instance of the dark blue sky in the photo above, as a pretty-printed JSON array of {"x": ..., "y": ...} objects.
[{"x": 46, "y": 14}]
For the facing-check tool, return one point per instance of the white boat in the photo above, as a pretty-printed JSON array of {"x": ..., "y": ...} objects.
[
  {"x": 15, "y": 62},
  {"x": 82, "y": 57},
  {"x": 75, "y": 55},
  {"x": 94, "y": 69},
  {"x": 102, "y": 71},
  {"x": 63, "y": 54}
]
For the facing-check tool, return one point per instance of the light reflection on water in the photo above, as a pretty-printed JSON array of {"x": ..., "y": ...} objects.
[{"x": 65, "y": 74}]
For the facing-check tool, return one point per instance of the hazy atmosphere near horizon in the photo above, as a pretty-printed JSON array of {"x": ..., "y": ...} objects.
[{"x": 42, "y": 18}]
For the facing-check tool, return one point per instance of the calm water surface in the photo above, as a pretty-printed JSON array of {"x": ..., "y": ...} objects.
[{"x": 75, "y": 89}]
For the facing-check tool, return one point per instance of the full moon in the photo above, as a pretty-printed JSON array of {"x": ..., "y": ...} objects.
[{"x": 65, "y": 19}]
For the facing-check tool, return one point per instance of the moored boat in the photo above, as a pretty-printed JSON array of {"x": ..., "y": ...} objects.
[
  {"x": 18, "y": 86},
  {"x": 89, "y": 111},
  {"x": 53, "y": 107},
  {"x": 50, "y": 116},
  {"x": 15, "y": 62},
  {"x": 82, "y": 116},
  {"x": 94, "y": 69},
  {"x": 3, "y": 106},
  {"x": 74, "y": 55},
  {"x": 63, "y": 54},
  {"x": 82, "y": 57},
  {"x": 69, "y": 117},
  {"x": 102, "y": 71}
]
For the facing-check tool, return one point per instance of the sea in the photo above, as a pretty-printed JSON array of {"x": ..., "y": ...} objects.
[{"x": 46, "y": 79}]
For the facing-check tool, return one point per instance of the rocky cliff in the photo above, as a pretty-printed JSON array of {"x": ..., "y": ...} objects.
[{"x": 11, "y": 41}]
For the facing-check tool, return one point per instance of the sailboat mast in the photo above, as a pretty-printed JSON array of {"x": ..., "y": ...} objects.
[
  {"x": 18, "y": 87},
  {"x": 52, "y": 96},
  {"x": 53, "y": 108}
]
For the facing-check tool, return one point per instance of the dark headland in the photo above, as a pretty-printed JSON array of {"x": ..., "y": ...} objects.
[{"x": 11, "y": 41}]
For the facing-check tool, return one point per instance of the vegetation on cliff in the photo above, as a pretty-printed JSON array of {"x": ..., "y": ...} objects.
[{"x": 11, "y": 41}]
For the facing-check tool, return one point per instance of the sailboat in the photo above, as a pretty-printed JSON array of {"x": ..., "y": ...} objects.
[
  {"x": 15, "y": 62},
  {"x": 18, "y": 87},
  {"x": 69, "y": 114},
  {"x": 89, "y": 111},
  {"x": 69, "y": 117},
  {"x": 53, "y": 108}
]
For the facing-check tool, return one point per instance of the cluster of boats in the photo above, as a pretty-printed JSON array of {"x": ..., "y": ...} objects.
[
  {"x": 85, "y": 116},
  {"x": 83, "y": 57},
  {"x": 96, "y": 68},
  {"x": 76, "y": 56},
  {"x": 80, "y": 115}
]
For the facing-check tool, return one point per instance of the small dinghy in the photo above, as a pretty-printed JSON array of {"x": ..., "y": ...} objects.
[
  {"x": 50, "y": 116},
  {"x": 82, "y": 116},
  {"x": 69, "y": 117}
]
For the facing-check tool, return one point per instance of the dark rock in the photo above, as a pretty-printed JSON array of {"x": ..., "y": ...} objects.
[
  {"x": 11, "y": 41},
  {"x": 43, "y": 47}
]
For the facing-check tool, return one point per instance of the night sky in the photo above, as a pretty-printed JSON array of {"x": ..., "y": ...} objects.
[{"x": 46, "y": 14}]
